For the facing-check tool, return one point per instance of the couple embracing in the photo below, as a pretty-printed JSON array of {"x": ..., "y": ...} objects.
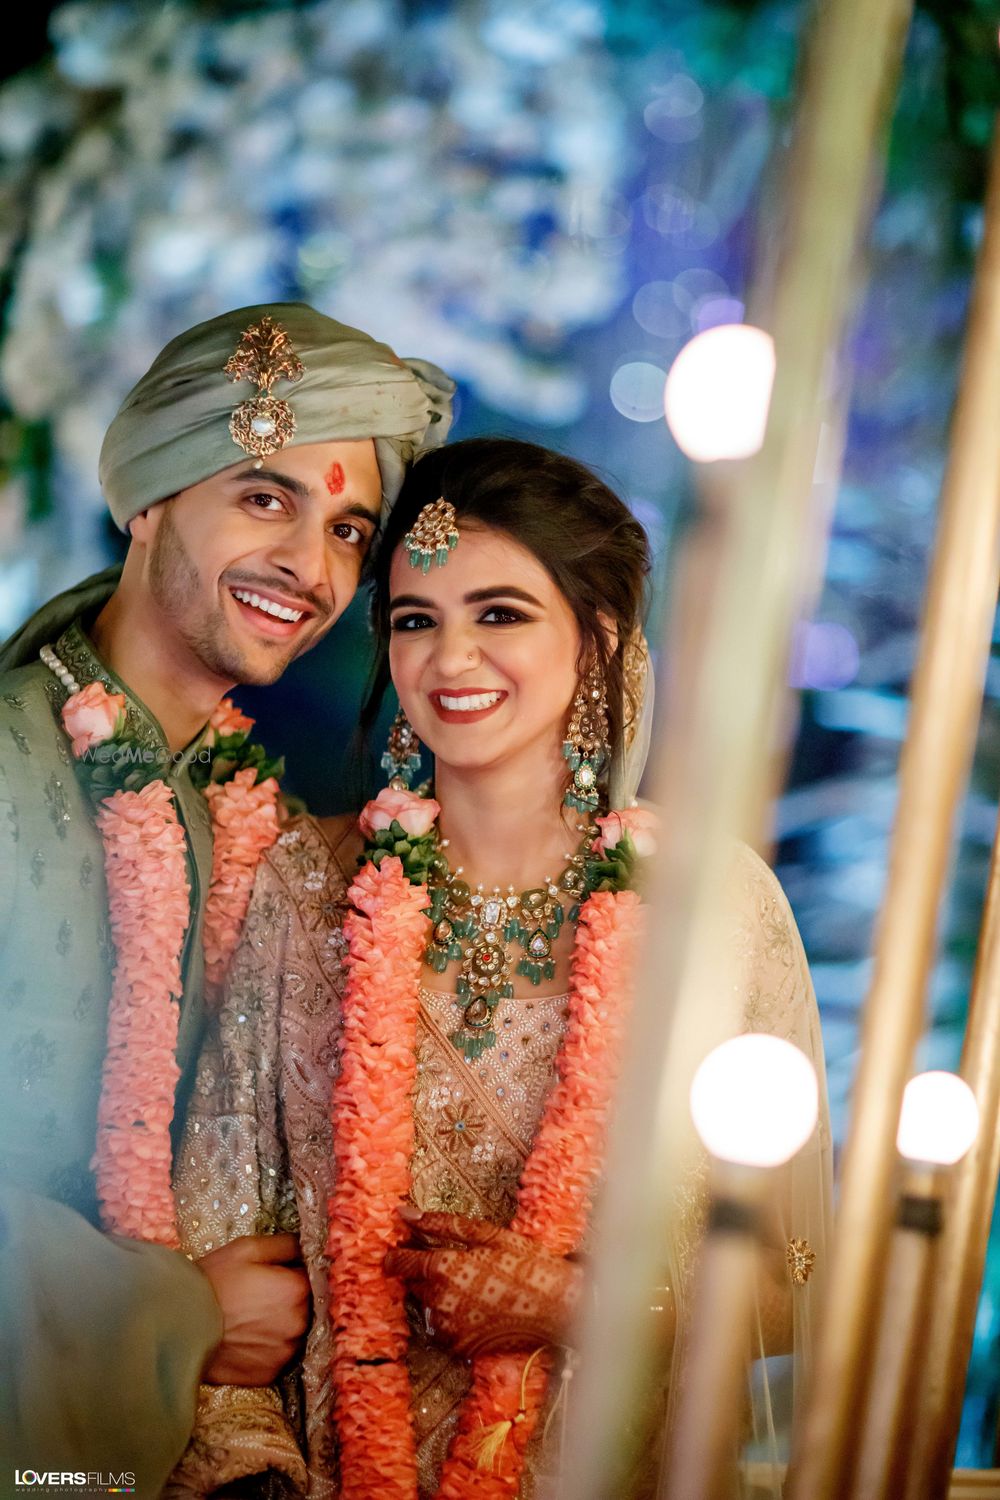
[{"x": 302, "y": 1121}]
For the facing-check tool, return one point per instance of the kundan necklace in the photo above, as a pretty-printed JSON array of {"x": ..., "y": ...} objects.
[{"x": 474, "y": 927}]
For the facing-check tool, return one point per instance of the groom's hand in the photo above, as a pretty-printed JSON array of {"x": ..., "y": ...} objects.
[{"x": 263, "y": 1291}]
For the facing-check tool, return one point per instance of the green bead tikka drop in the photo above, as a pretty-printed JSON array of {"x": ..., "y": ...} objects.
[
  {"x": 474, "y": 928},
  {"x": 432, "y": 537}
]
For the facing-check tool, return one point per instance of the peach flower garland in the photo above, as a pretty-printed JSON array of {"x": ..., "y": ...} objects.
[
  {"x": 244, "y": 823},
  {"x": 145, "y": 860},
  {"x": 373, "y": 1133},
  {"x": 146, "y": 868}
]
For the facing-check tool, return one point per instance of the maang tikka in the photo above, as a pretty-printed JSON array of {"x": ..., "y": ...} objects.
[
  {"x": 433, "y": 535},
  {"x": 402, "y": 753},
  {"x": 586, "y": 744}
]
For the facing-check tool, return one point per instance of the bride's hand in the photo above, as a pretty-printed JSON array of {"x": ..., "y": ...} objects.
[{"x": 485, "y": 1289}]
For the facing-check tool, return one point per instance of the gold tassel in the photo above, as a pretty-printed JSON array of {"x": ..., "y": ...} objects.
[{"x": 488, "y": 1444}]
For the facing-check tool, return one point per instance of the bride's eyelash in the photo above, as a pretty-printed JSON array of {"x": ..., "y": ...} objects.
[
  {"x": 410, "y": 622},
  {"x": 507, "y": 616},
  {"x": 512, "y": 616}
]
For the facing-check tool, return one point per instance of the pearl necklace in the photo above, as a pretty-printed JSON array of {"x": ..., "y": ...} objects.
[{"x": 59, "y": 669}]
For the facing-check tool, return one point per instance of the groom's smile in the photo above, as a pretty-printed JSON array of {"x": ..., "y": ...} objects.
[{"x": 251, "y": 568}]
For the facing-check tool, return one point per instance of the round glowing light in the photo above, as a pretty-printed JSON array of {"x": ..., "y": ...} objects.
[
  {"x": 825, "y": 655},
  {"x": 754, "y": 1100},
  {"x": 718, "y": 392},
  {"x": 709, "y": 312},
  {"x": 939, "y": 1119},
  {"x": 656, "y": 311},
  {"x": 637, "y": 391},
  {"x": 696, "y": 283},
  {"x": 674, "y": 114}
]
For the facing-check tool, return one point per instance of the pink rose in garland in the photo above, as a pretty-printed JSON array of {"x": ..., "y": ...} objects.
[
  {"x": 92, "y": 716},
  {"x": 401, "y": 825},
  {"x": 641, "y": 825},
  {"x": 415, "y": 815},
  {"x": 226, "y": 720}
]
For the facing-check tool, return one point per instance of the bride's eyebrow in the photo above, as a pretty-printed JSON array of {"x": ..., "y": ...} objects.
[
  {"x": 412, "y": 601},
  {"x": 504, "y": 591},
  {"x": 478, "y": 596}
]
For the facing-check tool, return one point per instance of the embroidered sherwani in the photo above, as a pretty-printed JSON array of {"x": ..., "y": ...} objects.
[
  {"x": 101, "y": 1340},
  {"x": 257, "y": 1153}
]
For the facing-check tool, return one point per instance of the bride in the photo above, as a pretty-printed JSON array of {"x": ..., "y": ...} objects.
[{"x": 414, "y": 1059}]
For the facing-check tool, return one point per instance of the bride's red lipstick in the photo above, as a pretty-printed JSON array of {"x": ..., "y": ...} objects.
[{"x": 465, "y": 715}]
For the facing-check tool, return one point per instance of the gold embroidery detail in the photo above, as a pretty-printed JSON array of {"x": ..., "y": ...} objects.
[
  {"x": 263, "y": 423},
  {"x": 635, "y": 669},
  {"x": 801, "y": 1258},
  {"x": 55, "y": 796}
]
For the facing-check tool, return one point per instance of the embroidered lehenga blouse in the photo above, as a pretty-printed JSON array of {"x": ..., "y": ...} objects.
[{"x": 257, "y": 1150}]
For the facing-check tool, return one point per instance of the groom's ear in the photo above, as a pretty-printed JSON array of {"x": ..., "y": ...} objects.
[{"x": 143, "y": 526}]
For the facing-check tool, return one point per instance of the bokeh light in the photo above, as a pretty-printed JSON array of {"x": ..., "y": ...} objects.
[
  {"x": 718, "y": 392},
  {"x": 674, "y": 115},
  {"x": 754, "y": 1100},
  {"x": 825, "y": 655},
  {"x": 637, "y": 391},
  {"x": 655, "y": 309},
  {"x": 939, "y": 1119}
]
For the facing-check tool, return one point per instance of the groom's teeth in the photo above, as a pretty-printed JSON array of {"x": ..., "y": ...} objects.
[
  {"x": 279, "y": 611},
  {"x": 470, "y": 702}
]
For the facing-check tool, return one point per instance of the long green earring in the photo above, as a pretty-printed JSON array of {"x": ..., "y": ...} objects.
[
  {"x": 402, "y": 753},
  {"x": 586, "y": 744}
]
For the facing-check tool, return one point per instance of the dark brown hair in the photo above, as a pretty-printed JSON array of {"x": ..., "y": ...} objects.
[{"x": 587, "y": 539}]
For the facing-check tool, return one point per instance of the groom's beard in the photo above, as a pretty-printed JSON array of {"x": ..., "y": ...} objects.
[{"x": 203, "y": 625}]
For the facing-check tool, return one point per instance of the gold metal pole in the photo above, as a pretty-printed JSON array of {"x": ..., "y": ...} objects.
[
  {"x": 945, "y": 707},
  {"x": 701, "y": 1462},
  {"x": 899, "y": 1342},
  {"x": 713, "y": 771},
  {"x": 962, "y": 1249}
]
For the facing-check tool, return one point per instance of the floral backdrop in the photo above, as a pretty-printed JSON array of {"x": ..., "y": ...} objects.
[{"x": 548, "y": 197}]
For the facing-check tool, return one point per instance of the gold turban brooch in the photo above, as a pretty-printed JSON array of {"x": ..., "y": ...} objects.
[{"x": 259, "y": 379}]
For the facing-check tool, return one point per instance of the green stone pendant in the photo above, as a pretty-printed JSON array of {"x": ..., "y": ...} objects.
[{"x": 474, "y": 930}]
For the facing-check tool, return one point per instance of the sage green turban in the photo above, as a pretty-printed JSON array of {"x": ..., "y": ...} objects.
[{"x": 295, "y": 376}]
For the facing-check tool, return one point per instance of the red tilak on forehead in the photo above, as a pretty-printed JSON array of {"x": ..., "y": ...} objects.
[{"x": 335, "y": 480}]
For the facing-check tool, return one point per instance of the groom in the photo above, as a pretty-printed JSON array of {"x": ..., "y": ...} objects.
[{"x": 250, "y": 467}]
